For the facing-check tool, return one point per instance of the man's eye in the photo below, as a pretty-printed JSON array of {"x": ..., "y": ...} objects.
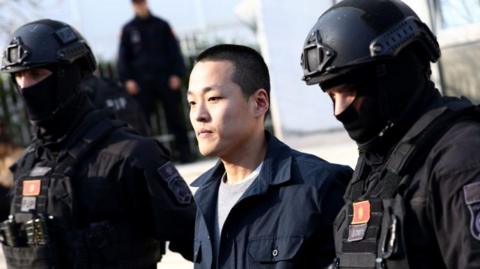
[
  {"x": 37, "y": 74},
  {"x": 214, "y": 98},
  {"x": 191, "y": 103}
]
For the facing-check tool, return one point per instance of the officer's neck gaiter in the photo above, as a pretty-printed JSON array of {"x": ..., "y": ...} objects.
[
  {"x": 364, "y": 124},
  {"x": 54, "y": 132},
  {"x": 55, "y": 103},
  {"x": 41, "y": 99},
  {"x": 404, "y": 91},
  {"x": 396, "y": 94}
]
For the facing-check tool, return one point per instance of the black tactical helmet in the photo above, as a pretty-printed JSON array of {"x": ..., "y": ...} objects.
[
  {"x": 45, "y": 43},
  {"x": 354, "y": 33}
]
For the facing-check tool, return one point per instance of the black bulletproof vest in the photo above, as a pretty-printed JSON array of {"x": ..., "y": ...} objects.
[
  {"x": 43, "y": 217},
  {"x": 369, "y": 229}
]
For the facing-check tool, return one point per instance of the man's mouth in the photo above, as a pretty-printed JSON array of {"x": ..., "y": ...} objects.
[{"x": 204, "y": 133}]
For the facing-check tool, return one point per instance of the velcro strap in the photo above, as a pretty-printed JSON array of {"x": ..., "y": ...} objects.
[{"x": 357, "y": 260}]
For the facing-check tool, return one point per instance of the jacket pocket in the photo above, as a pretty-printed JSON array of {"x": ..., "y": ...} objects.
[
  {"x": 274, "y": 249},
  {"x": 197, "y": 251}
]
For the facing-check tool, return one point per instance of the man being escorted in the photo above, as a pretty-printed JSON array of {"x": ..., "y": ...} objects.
[
  {"x": 414, "y": 199},
  {"x": 263, "y": 203},
  {"x": 88, "y": 193}
]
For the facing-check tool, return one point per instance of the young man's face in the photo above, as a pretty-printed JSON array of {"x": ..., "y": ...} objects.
[{"x": 222, "y": 117}]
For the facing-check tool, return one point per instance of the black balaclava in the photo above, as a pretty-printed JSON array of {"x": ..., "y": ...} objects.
[
  {"x": 54, "y": 104},
  {"x": 41, "y": 99},
  {"x": 395, "y": 93},
  {"x": 367, "y": 122}
]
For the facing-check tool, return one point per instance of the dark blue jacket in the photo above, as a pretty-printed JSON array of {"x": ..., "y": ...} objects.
[
  {"x": 149, "y": 51},
  {"x": 284, "y": 219}
]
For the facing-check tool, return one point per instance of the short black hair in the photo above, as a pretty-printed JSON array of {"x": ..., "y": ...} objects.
[{"x": 251, "y": 71}]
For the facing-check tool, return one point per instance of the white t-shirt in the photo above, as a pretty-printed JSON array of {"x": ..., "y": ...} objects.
[{"x": 228, "y": 196}]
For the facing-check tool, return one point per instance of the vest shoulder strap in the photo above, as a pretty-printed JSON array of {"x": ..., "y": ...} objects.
[
  {"x": 425, "y": 133},
  {"x": 416, "y": 144},
  {"x": 26, "y": 161},
  {"x": 81, "y": 148}
]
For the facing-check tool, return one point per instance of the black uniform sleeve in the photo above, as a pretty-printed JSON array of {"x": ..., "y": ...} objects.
[
  {"x": 124, "y": 61},
  {"x": 455, "y": 198},
  {"x": 171, "y": 202},
  {"x": 174, "y": 52},
  {"x": 330, "y": 196}
]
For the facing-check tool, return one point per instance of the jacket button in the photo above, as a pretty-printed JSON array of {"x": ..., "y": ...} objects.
[{"x": 275, "y": 253}]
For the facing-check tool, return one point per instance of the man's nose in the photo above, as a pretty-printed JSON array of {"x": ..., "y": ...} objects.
[
  {"x": 22, "y": 80},
  {"x": 340, "y": 105},
  {"x": 201, "y": 112}
]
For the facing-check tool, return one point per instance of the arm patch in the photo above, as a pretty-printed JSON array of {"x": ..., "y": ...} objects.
[
  {"x": 472, "y": 200},
  {"x": 175, "y": 183}
]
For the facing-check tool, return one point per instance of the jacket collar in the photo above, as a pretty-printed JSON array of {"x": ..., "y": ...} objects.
[
  {"x": 276, "y": 167},
  {"x": 276, "y": 170}
]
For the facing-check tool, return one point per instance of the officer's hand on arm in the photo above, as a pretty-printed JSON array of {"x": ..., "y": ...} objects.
[
  {"x": 171, "y": 202},
  {"x": 132, "y": 87},
  {"x": 175, "y": 82},
  {"x": 330, "y": 203},
  {"x": 184, "y": 247},
  {"x": 180, "y": 211}
]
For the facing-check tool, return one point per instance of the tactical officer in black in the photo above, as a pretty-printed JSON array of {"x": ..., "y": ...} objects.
[
  {"x": 414, "y": 199},
  {"x": 89, "y": 193},
  {"x": 151, "y": 65},
  {"x": 109, "y": 93}
]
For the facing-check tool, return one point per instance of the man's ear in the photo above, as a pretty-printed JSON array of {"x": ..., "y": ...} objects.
[{"x": 261, "y": 101}]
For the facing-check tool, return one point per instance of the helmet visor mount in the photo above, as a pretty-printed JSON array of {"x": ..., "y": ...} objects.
[
  {"x": 315, "y": 58},
  {"x": 14, "y": 54}
]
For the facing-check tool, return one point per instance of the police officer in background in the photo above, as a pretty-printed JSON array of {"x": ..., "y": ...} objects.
[
  {"x": 109, "y": 93},
  {"x": 151, "y": 65},
  {"x": 414, "y": 199},
  {"x": 88, "y": 192}
]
